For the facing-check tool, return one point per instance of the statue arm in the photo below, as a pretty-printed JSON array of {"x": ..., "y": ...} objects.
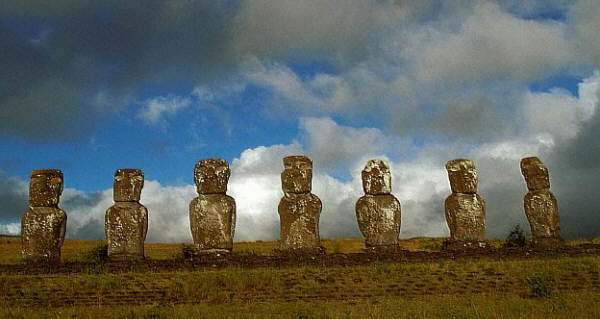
[
  {"x": 193, "y": 219},
  {"x": 144, "y": 211},
  {"x": 23, "y": 222},
  {"x": 555, "y": 215},
  {"x": 63, "y": 228},
  {"x": 106, "y": 222},
  {"x": 482, "y": 201},
  {"x": 359, "y": 207},
  {"x": 398, "y": 217},
  {"x": 450, "y": 213},
  {"x": 233, "y": 217}
]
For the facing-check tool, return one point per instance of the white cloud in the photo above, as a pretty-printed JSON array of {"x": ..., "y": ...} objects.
[
  {"x": 493, "y": 44},
  {"x": 583, "y": 18},
  {"x": 11, "y": 229},
  {"x": 558, "y": 113},
  {"x": 155, "y": 108},
  {"x": 322, "y": 93},
  {"x": 331, "y": 144}
]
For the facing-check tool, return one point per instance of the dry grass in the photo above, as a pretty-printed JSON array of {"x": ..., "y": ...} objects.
[
  {"x": 484, "y": 287},
  {"x": 570, "y": 305}
]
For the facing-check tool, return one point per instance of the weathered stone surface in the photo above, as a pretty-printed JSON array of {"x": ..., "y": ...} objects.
[
  {"x": 126, "y": 222},
  {"x": 211, "y": 176},
  {"x": 540, "y": 204},
  {"x": 379, "y": 219},
  {"x": 212, "y": 213},
  {"x": 299, "y": 217},
  {"x": 128, "y": 185},
  {"x": 299, "y": 210},
  {"x": 44, "y": 224},
  {"x": 465, "y": 210},
  {"x": 465, "y": 214},
  {"x": 463, "y": 176},
  {"x": 296, "y": 177},
  {"x": 212, "y": 219},
  {"x": 535, "y": 173},
  {"x": 45, "y": 187},
  {"x": 376, "y": 178},
  {"x": 378, "y": 212}
]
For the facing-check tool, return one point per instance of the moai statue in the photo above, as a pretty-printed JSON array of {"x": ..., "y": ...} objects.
[
  {"x": 212, "y": 213},
  {"x": 299, "y": 209},
  {"x": 126, "y": 222},
  {"x": 378, "y": 212},
  {"x": 465, "y": 210},
  {"x": 540, "y": 204},
  {"x": 44, "y": 224}
]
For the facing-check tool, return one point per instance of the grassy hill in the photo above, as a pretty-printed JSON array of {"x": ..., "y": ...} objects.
[{"x": 422, "y": 282}]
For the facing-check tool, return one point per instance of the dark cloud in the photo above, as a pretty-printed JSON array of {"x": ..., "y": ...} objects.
[
  {"x": 339, "y": 221},
  {"x": 78, "y": 200},
  {"x": 423, "y": 218},
  {"x": 477, "y": 117},
  {"x": 575, "y": 177},
  {"x": 93, "y": 230},
  {"x": 504, "y": 208},
  {"x": 13, "y": 199},
  {"x": 65, "y": 64}
]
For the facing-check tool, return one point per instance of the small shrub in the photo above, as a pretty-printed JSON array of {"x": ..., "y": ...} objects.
[
  {"x": 516, "y": 237},
  {"x": 539, "y": 287}
]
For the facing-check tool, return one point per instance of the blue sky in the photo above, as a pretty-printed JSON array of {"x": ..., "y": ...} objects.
[{"x": 92, "y": 87}]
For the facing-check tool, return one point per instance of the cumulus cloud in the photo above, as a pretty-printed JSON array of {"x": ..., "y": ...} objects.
[
  {"x": 350, "y": 144},
  {"x": 586, "y": 28},
  {"x": 492, "y": 43},
  {"x": 160, "y": 106}
]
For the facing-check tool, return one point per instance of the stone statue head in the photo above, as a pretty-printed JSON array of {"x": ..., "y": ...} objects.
[
  {"x": 296, "y": 177},
  {"x": 211, "y": 176},
  {"x": 45, "y": 187},
  {"x": 463, "y": 176},
  {"x": 128, "y": 185},
  {"x": 535, "y": 173},
  {"x": 377, "y": 178}
]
